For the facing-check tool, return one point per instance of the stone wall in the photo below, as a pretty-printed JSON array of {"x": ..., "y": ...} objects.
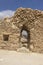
[
  {"x": 6, "y": 28},
  {"x": 33, "y": 20},
  {"x": 24, "y": 18}
]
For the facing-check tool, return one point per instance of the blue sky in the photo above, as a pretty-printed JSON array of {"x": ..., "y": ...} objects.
[
  {"x": 7, "y": 7},
  {"x": 14, "y": 4}
]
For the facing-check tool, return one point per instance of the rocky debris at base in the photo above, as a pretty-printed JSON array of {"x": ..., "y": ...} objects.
[{"x": 23, "y": 49}]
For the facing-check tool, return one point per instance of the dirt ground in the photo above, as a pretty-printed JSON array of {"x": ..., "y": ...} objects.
[{"x": 17, "y": 58}]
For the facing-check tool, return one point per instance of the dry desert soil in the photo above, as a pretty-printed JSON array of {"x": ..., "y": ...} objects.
[{"x": 17, "y": 58}]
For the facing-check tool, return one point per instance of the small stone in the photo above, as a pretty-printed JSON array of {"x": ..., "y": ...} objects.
[
  {"x": 31, "y": 47},
  {"x": 32, "y": 29}
]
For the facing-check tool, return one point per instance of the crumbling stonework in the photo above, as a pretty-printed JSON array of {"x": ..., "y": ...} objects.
[{"x": 24, "y": 19}]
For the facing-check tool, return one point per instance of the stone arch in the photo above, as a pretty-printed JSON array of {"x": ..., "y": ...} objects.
[{"x": 25, "y": 32}]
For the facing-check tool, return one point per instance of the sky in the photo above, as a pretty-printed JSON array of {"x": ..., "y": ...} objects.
[{"x": 8, "y": 7}]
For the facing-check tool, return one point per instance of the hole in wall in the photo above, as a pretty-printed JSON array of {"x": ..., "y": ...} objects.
[{"x": 5, "y": 37}]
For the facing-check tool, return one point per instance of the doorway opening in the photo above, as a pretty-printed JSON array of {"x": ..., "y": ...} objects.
[{"x": 25, "y": 36}]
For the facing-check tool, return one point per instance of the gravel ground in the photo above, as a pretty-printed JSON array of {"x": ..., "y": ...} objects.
[{"x": 17, "y": 58}]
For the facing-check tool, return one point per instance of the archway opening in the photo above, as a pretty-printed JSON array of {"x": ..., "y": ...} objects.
[{"x": 25, "y": 36}]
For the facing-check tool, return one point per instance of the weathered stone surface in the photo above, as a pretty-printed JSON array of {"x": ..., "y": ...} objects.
[{"x": 23, "y": 19}]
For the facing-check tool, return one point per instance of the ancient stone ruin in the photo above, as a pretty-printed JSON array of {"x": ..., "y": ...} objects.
[{"x": 23, "y": 29}]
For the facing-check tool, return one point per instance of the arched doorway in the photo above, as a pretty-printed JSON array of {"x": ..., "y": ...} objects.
[{"x": 25, "y": 36}]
